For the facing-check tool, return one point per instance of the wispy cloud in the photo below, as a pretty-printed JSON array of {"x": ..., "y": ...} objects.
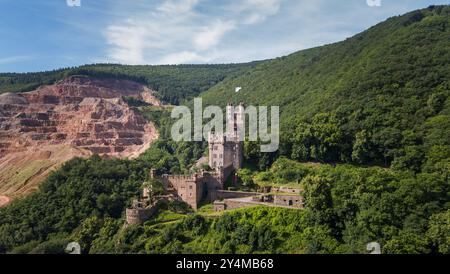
[
  {"x": 256, "y": 11},
  {"x": 177, "y": 7},
  {"x": 175, "y": 32},
  {"x": 182, "y": 57},
  {"x": 211, "y": 35},
  {"x": 14, "y": 59}
]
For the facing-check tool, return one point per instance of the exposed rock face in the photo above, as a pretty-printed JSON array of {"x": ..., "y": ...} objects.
[{"x": 79, "y": 112}]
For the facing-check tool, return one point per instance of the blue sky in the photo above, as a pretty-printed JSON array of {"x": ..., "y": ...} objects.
[{"x": 48, "y": 34}]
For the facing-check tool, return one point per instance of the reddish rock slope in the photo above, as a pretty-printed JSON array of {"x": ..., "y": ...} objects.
[{"x": 79, "y": 115}]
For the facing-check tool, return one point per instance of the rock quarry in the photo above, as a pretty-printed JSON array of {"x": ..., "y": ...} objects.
[{"x": 78, "y": 116}]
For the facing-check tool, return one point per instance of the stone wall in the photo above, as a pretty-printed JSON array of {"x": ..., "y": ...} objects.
[
  {"x": 234, "y": 199},
  {"x": 184, "y": 186},
  {"x": 219, "y": 206},
  {"x": 288, "y": 200},
  {"x": 234, "y": 204},
  {"x": 286, "y": 189},
  {"x": 225, "y": 194},
  {"x": 139, "y": 215},
  {"x": 193, "y": 189},
  {"x": 210, "y": 183}
]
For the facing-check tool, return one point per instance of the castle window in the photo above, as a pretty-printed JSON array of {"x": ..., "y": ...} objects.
[{"x": 190, "y": 187}]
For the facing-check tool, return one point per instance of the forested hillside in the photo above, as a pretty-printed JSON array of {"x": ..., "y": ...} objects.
[
  {"x": 347, "y": 207},
  {"x": 380, "y": 97},
  {"x": 172, "y": 84}
]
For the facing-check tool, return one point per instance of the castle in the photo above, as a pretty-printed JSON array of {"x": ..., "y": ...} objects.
[{"x": 225, "y": 157}]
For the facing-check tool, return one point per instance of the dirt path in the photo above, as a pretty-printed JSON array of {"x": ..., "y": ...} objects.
[{"x": 4, "y": 201}]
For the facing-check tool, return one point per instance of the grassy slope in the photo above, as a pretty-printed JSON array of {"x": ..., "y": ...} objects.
[{"x": 22, "y": 173}]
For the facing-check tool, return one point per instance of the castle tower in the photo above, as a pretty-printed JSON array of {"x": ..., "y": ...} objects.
[
  {"x": 226, "y": 150},
  {"x": 238, "y": 155},
  {"x": 216, "y": 146},
  {"x": 236, "y": 121}
]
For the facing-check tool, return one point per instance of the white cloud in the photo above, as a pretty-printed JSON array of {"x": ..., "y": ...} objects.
[
  {"x": 131, "y": 40},
  {"x": 177, "y": 7},
  {"x": 128, "y": 43},
  {"x": 210, "y": 36},
  {"x": 183, "y": 58},
  {"x": 14, "y": 59},
  {"x": 256, "y": 11},
  {"x": 174, "y": 32}
]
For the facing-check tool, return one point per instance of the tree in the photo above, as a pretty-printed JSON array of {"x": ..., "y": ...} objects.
[
  {"x": 406, "y": 243},
  {"x": 439, "y": 232},
  {"x": 319, "y": 240},
  {"x": 246, "y": 176},
  {"x": 411, "y": 158},
  {"x": 361, "y": 148},
  {"x": 437, "y": 99},
  {"x": 87, "y": 232},
  {"x": 321, "y": 139},
  {"x": 318, "y": 199}
]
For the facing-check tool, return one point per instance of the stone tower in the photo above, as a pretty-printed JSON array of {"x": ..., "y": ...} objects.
[
  {"x": 226, "y": 150},
  {"x": 236, "y": 122}
]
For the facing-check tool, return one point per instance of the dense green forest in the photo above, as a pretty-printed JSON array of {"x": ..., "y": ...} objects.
[
  {"x": 347, "y": 208},
  {"x": 173, "y": 83},
  {"x": 166, "y": 155},
  {"x": 365, "y": 133},
  {"x": 380, "y": 97}
]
